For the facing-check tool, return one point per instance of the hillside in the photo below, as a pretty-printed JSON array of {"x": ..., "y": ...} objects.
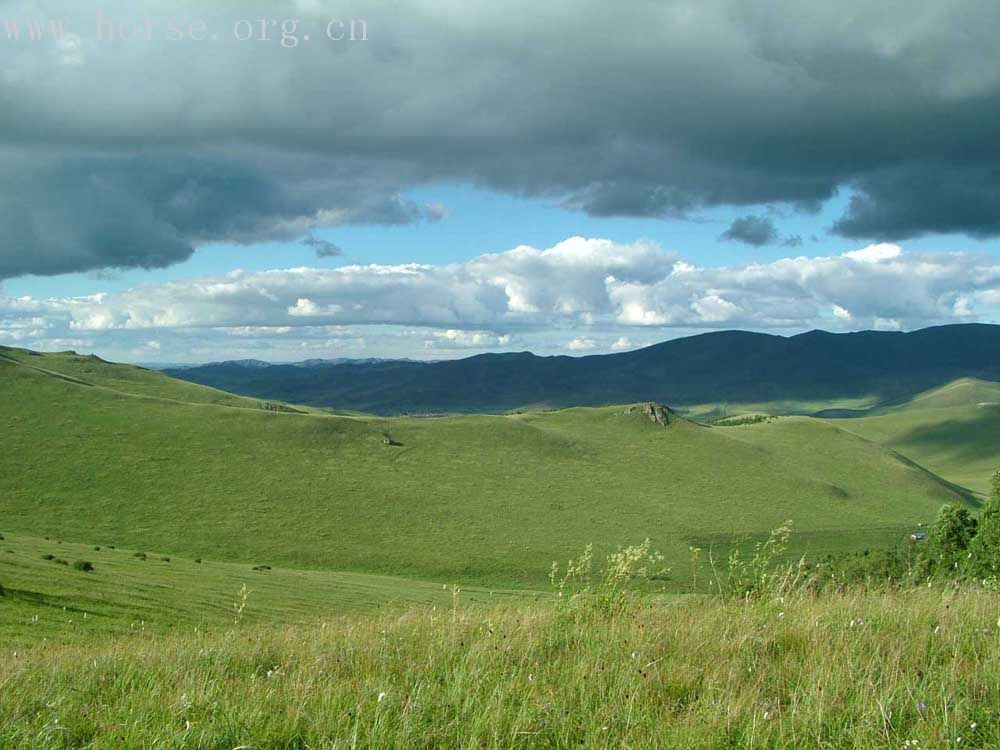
[
  {"x": 92, "y": 371},
  {"x": 870, "y": 367},
  {"x": 130, "y": 591},
  {"x": 474, "y": 499},
  {"x": 953, "y": 430}
]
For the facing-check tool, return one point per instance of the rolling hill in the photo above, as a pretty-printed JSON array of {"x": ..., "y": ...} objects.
[
  {"x": 953, "y": 430},
  {"x": 861, "y": 369},
  {"x": 113, "y": 455}
]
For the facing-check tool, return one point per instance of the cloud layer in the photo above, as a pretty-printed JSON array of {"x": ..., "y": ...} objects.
[
  {"x": 580, "y": 295},
  {"x": 134, "y": 154}
]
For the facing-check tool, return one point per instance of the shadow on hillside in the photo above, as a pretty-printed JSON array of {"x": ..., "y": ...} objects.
[{"x": 978, "y": 439}]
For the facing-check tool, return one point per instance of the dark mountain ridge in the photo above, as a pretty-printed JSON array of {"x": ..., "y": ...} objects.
[{"x": 734, "y": 366}]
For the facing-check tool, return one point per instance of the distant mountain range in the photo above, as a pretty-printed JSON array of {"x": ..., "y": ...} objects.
[
  {"x": 727, "y": 366},
  {"x": 257, "y": 363}
]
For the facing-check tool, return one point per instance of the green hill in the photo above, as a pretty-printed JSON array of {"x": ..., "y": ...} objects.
[
  {"x": 92, "y": 371},
  {"x": 953, "y": 430},
  {"x": 104, "y": 454}
]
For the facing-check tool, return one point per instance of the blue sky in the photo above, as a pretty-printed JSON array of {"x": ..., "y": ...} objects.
[{"x": 480, "y": 221}]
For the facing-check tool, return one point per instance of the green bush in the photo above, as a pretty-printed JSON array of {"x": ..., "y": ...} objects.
[
  {"x": 83, "y": 565},
  {"x": 140, "y": 555},
  {"x": 948, "y": 542},
  {"x": 48, "y": 556},
  {"x": 984, "y": 551},
  {"x": 903, "y": 563}
]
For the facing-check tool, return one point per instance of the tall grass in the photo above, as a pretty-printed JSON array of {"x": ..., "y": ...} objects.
[{"x": 858, "y": 670}]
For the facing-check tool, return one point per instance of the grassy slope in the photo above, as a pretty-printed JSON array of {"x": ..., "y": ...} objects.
[
  {"x": 916, "y": 669},
  {"x": 953, "y": 431},
  {"x": 46, "y": 600},
  {"x": 95, "y": 372},
  {"x": 490, "y": 500}
]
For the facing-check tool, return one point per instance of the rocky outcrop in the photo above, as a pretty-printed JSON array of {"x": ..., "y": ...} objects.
[{"x": 657, "y": 413}]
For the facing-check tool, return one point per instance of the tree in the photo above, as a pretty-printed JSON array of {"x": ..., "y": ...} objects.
[
  {"x": 950, "y": 537},
  {"x": 984, "y": 552}
]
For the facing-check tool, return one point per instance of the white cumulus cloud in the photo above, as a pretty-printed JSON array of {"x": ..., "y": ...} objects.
[{"x": 596, "y": 290}]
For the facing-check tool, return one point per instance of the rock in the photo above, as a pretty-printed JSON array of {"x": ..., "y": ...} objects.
[{"x": 654, "y": 412}]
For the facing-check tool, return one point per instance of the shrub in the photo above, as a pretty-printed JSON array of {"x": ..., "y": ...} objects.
[
  {"x": 984, "y": 551},
  {"x": 60, "y": 561},
  {"x": 97, "y": 549},
  {"x": 48, "y": 556},
  {"x": 140, "y": 555},
  {"x": 165, "y": 559},
  {"x": 906, "y": 562},
  {"x": 1, "y": 537},
  {"x": 84, "y": 565},
  {"x": 948, "y": 544},
  {"x": 198, "y": 560},
  {"x": 744, "y": 420},
  {"x": 261, "y": 567}
]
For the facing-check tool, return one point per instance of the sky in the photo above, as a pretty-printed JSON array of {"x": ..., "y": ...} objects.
[{"x": 575, "y": 178}]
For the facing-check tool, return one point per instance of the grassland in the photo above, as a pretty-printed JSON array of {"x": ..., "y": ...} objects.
[
  {"x": 110, "y": 455},
  {"x": 132, "y": 591},
  {"x": 954, "y": 430},
  {"x": 910, "y": 669},
  {"x": 284, "y": 579},
  {"x": 93, "y": 372}
]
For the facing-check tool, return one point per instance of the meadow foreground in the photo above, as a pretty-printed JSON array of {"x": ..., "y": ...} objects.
[{"x": 917, "y": 668}]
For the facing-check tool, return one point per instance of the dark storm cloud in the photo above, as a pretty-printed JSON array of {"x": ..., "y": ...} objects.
[
  {"x": 751, "y": 230},
  {"x": 150, "y": 210},
  {"x": 135, "y": 154},
  {"x": 913, "y": 200},
  {"x": 323, "y": 248}
]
